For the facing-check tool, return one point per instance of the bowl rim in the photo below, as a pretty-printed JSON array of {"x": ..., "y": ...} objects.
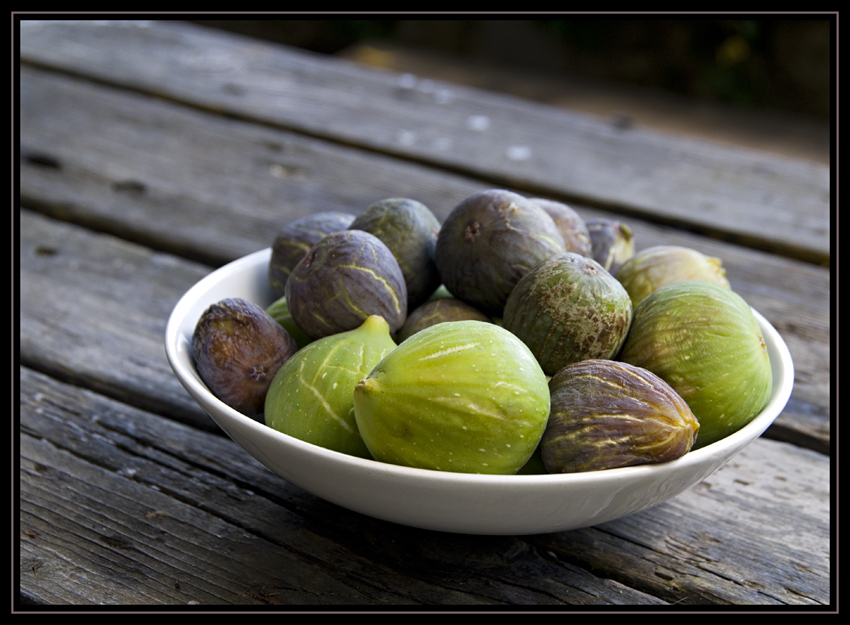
[{"x": 176, "y": 353}]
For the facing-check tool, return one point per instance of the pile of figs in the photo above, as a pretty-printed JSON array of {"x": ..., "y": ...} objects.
[{"x": 513, "y": 337}]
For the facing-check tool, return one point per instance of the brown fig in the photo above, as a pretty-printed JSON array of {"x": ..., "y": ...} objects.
[
  {"x": 612, "y": 243},
  {"x": 569, "y": 222},
  {"x": 238, "y": 348},
  {"x": 488, "y": 242},
  {"x": 607, "y": 414},
  {"x": 437, "y": 311}
]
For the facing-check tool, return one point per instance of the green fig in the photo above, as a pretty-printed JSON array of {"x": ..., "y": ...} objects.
[
  {"x": 463, "y": 396},
  {"x": 662, "y": 264},
  {"x": 310, "y": 398},
  {"x": 704, "y": 341},
  {"x": 568, "y": 308}
]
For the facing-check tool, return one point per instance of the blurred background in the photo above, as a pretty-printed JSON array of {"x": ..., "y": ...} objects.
[{"x": 764, "y": 83}]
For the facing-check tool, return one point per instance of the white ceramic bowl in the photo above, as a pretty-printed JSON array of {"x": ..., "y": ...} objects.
[{"x": 452, "y": 502}]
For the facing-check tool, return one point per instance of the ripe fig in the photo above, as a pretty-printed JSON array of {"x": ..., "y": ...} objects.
[
  {"x": 238, "y": 348},
  {"x": 612, "y": 243},
  {"x": 311, "y": 395},
  {"x": 409, "y": 229},
  {"x": 704, "y": 341},
  {"x": 569, "y": 222},
  {"x": 437, "y": 311},
  {"x": 662, "y": 264},
  {"x": 343, "y": 279},
  {"x": 568, "y": 308},
  {"x": 295, "y": 239},
  {"x": 488, "y": 242},
  {"x": 607, "y": 414},
  {"x": 462, "y": 396}
]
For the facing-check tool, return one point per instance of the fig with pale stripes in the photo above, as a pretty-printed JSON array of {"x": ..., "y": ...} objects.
[{"x": 462, "y": 396}]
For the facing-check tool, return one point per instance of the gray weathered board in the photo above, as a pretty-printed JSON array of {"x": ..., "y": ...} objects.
[{"x": 772, "y": 201}]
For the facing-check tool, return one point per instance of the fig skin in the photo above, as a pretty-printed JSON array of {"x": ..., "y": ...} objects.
[
  {"x": 488, "y": 242},
  {"x": 664, "y": 264},
  {"x": 279, "y": 311},
  {"x": 237, "y": 349},
  {"x": 568, "y": 308},
  {"x": 571, "y": 225},
  {"x": 437, "y": 311},
  {"x": 612, "y": 243},
  {"x": 410, "y": 230},
  {"x": 295, "y": 239},
  {"x": 607, "y": 414},
  {"x": 704, "y": 341},
  {"x": 343, "y": 279},
  {"x": 461, "y": 396},
  {"x": 311, "y": 397}
]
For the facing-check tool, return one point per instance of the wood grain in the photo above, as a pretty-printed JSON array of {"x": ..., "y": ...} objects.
[
  {"x": 179, "y": 202},
  {"x": 153, "y": 152},
  {"x": 154, "y": 512},
  {"x": 773, "y": 203}
]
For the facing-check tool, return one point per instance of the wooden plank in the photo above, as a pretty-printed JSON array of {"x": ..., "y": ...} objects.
[
  {"x": 784, "y": 133},
  {"x": 197, "y": 184},
  {"x": 774, "y": 203},
  {"x": 120, "y": 506},
  {"x": 151, "y": 512},
  {"x": 93, "y": 310},
  {"x": 201, "y": 186}
]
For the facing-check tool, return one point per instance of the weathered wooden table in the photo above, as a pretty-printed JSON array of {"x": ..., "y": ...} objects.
[{"x": 153, "y": 152}]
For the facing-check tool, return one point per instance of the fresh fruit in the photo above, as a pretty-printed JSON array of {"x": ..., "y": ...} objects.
[
  {"x": 237, "y": 349},
  {"x": 607, "y": 414},
  {"x": 488, "y": 242},
  {"x": 568, "y": 308},
  {"x": 463, "y": 396},
  {"x": 295, "y": 239},
  {"x": 279, "y": 311},
  {"x": 343, "y": 279},
  {"x": 409, "y": 229},
  {"x": 612, "y": 243},
  {"x": 662, "y": 264},
  {"x": 311, "y": 395},
  {"x": 437, "y": 311},
  {"x": 571, "y": 225},
  {"x": 705, "y": 342}
]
